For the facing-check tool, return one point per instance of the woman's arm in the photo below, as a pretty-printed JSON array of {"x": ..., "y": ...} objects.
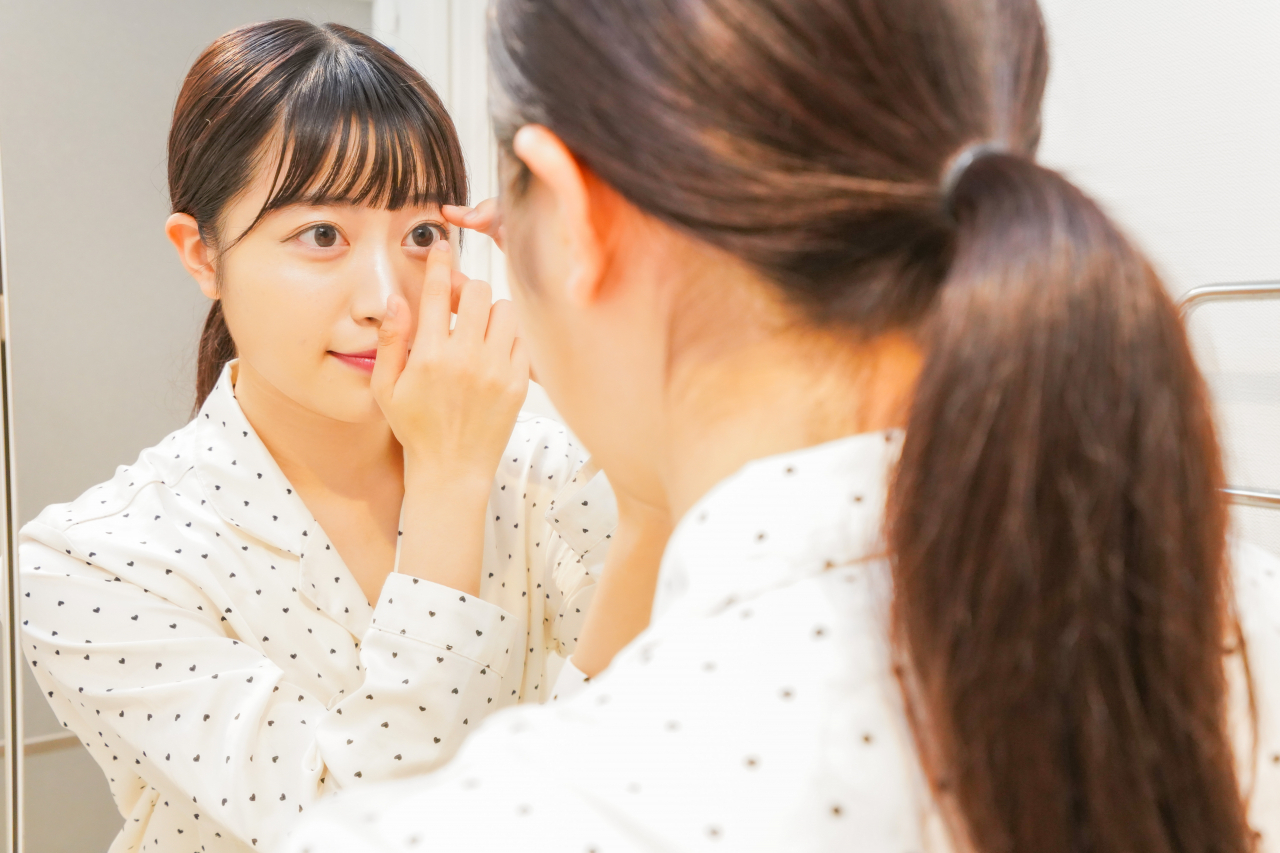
[
  {"x": 624, "y": 594},
  {"x": 153, "y": 679},
  {"x": 451, "y": 397}
]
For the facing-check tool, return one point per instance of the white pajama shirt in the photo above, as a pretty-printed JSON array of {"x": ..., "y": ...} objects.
[
  {"x": 192, "y": 623},
  {"x": 758, "y": 712}
]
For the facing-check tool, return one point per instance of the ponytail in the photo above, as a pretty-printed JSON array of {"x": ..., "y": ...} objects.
[
  {"x": 1061, "y": 590},
  {"x": 216, "y": 349}
]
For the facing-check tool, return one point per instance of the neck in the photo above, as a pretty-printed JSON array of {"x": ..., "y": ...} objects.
[
  {"x": 303, "y": 442},
  {"x": 782, "y": 393}
]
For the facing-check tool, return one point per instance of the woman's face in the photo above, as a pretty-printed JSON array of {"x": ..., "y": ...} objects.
[{"x": 305, "y": 292}]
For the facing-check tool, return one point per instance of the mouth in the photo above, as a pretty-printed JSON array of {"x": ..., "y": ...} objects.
[{"x": 362, "y": 361}]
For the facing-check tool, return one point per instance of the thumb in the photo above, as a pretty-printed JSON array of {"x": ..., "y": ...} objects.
[{"x": 393, "y": 349}]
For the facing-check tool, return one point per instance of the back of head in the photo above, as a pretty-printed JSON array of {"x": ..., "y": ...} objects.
[
  {"x": 338, "y": 116},
  {"x": 1061, "y": 595}
]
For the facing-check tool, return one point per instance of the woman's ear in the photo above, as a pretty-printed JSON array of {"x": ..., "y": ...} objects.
[
  {"x": 554, "y": 165},
  {"x": 184, "y": 234}
]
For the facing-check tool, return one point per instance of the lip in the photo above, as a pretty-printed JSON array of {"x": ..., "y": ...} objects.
[{"x": 362, "y": 361}]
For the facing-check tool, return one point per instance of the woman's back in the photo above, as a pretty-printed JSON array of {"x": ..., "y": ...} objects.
[{"x": 762, "y": 710}]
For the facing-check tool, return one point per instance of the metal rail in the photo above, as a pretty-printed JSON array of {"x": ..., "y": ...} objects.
[
  {"x": 47, "y": 743},
  {"x": 1197, "y": 298}
]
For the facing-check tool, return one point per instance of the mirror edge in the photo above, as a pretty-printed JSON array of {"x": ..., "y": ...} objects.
[{"x": 10, "y": 641}]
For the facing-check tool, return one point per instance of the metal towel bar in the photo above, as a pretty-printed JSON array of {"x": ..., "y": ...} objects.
[
  {"x": 47, "y": 743},
  {"x": 1200, "y": 296}
]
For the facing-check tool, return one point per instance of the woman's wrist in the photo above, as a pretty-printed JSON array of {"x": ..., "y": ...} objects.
[
  {"x": 446, "y": 480},
  {"x": 443, "y": 526}
]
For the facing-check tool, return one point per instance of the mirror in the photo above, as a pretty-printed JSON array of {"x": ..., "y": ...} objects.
[
  {"x": 100, "y": 322},
  {"x": 107, "y": 321}
]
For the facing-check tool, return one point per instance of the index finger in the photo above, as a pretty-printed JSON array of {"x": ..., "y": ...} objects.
[
  {"x": 484, "y": 218},
  {"x": 436, "y": 302},
  {"x": 459, "y": 281}
]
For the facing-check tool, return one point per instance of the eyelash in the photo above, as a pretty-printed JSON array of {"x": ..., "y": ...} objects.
[
  {"x": 311, "y": 229},
  {"x": 437, "y": 229}
]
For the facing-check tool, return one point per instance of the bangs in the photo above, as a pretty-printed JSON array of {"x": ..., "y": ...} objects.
[{"x": 349, "y": 132}]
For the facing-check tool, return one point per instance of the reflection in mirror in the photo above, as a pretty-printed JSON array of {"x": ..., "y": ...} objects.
[{"x": 106, "y": 319}]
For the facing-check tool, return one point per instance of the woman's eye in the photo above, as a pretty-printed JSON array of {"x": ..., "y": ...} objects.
[
  {"x": 321, "y": 236},
  {"x": 423, "y": 236}
]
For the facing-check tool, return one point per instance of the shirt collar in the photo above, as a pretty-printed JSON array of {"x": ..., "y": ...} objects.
[
  {"x": 248, "y": 490},
  {"x": 241, "y": 478},
  {"x": 777, "y": 521}
]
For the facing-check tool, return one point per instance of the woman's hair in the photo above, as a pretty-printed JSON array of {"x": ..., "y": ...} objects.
[
  {"x": 340, "y": 117},
  {"x": 1061, "y": 592}
]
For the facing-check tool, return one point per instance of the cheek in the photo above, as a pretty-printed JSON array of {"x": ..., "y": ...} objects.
[{"x": 276, "y": 312}]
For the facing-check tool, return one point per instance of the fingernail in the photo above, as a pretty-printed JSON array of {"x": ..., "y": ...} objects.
[
  {"x": 393, "y": 308},
  {"x": 442, "y": 246}
]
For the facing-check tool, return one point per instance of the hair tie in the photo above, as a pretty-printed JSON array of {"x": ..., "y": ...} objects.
[{"x": 961, "y": 163}]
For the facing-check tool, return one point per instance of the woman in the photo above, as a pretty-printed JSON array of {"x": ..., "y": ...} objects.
[
  {"x": 780, "y": 231},
  {"x": 234, "y": 624}
]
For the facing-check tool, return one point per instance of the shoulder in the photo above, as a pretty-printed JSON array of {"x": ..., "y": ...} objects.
[{"x": 158, "y": 472}]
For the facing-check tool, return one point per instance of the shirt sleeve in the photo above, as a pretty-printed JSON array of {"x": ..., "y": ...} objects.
[
  {"x": 500, "y": 794},
  {"x": 584, "y": 516},
  {"x": 570, "y": 682},
  {"x": 154, "y": 685}
]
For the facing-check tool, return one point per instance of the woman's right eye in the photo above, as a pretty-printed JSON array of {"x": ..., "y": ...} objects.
[{"x": 321, "y": 236}]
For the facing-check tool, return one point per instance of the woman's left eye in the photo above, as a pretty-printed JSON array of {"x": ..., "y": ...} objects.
[{"x": 423, "y": 236}]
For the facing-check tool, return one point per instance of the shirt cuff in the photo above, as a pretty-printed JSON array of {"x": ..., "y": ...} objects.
[
  {"x": 443, "y": 617},
  {"x": 571, "y": 682},
  {"x": 584, "y": 515}
]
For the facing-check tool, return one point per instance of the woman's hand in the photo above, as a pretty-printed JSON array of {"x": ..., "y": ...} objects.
[
  {"x": 484, "y": 217},
  {"x": 451, "y": 399}
]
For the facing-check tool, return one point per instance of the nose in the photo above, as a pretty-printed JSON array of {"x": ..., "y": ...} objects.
[{"x": 376, "y": 282}]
